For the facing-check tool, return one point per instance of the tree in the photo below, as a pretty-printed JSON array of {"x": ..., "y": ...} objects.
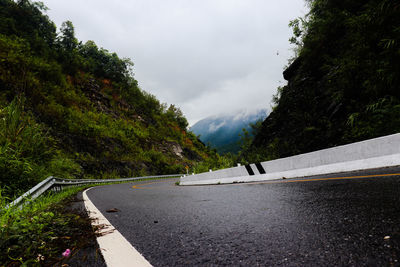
[
  {"x": 68, "y": 54},
  {"x": 343, "y": 86},
  {"x": 105, "y": 64},
  {"x": 67, "y": 38},
  {"x": 176, "y": 114}
]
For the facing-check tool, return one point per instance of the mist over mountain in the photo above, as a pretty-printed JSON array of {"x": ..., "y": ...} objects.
[
  {"x": 222, "y": 131},
  {"x": 343, "y": 85},
  {"x": 74, "y": 110}
]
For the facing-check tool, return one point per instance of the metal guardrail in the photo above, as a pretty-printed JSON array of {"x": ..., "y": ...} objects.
[{"x": 57, "y": 184}]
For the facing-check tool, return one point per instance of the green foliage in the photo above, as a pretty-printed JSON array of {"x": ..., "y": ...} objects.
[
  {"x": 246, "y": 137},
  {"x": 175, "y": 114},
  {"x": 25, "y": 20},
  {"x": 23, "y": 145},
  {"x": 67, "y": 39},
  {"x": 104, "y": 64},
  {"x": 68, "y": 48},
  {"x": 77, "y": 110},
  {"x": 20, "y": 133},
  {"x": 27, "y": 153},
  {"x": 38, "y": 233},
  {"x": 343, "y": 86},
  {"x": 214, "y": 163},
  {"x": 15, "y": 57}
]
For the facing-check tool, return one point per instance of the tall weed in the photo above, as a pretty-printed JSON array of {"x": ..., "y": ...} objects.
[
  {"x": 27, "y": 153},
  {"x": 40, "y": 231}
]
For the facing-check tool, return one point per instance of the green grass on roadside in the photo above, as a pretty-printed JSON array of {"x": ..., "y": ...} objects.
[{"x": 38, "y": 233}]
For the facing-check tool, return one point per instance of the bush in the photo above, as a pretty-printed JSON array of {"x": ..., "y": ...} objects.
[
  {"x": 37, "y": 234},
  {"x": 24, "y": 146},
  {"x": 27, "y": 153}
]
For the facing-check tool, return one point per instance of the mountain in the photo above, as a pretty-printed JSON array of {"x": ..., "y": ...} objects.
[
  {"x": 74, "y": 110},
  {"x": 343, "y": 86},
  {"x": 222, "y": 131}
]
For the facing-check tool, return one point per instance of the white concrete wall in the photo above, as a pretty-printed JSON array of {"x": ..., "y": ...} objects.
[
  {"x": 374, "y": 153},
  {"x": 220, "y": 174}
]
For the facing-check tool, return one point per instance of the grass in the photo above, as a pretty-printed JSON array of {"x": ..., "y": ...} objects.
[{"x": 38, "y": 233}]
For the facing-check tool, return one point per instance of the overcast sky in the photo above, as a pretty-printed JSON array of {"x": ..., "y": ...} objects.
[{"x": 205, "y": 56}]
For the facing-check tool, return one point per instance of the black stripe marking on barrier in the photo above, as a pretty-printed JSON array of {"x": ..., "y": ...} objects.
[
  {"x": 249, "y": 170},
  {"x": 260, "y": 168}
]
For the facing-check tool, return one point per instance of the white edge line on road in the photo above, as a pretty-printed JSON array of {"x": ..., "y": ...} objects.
[{"x": 116, "y": 250}]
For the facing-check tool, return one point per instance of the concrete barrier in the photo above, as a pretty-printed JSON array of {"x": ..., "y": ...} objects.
[{"x": 370, "y": 154}]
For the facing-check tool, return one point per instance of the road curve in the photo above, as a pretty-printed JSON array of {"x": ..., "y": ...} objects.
[{"x": 350, "y": 219}]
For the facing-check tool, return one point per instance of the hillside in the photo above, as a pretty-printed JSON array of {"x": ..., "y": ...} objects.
[
  {"x": 344, "y": 84},
  {"x": 223, "y": 131},
  {"x": 74, "y": 110}
]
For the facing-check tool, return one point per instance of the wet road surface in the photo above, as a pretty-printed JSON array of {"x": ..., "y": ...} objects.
[{"x": 317, "y": 221}]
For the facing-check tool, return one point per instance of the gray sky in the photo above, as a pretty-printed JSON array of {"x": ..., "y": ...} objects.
[{"x": 205, "y": 56}]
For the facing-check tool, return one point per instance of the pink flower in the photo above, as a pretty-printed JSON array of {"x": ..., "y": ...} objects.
[{"x": 66, "y": 253}]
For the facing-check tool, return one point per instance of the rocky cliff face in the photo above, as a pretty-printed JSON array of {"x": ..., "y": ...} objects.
[{"x": 343, "y": 87}]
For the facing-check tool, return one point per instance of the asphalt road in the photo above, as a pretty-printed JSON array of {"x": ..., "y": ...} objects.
[{"x": 317, "y": 221}]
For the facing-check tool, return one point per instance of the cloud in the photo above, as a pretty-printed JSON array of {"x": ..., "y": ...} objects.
[
  {"x": 204, "y": 56},
  {"x": 214, "y": 127}
]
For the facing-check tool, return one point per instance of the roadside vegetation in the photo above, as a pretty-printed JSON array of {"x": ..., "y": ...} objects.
[
  {"x": 42, "y": 230},
  {"x": 343, "y": 83},
  {"x": 50, "y": 230},
  {"x": 74, "y": 110}
]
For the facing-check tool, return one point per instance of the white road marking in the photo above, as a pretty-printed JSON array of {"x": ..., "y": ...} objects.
[{"x": 116, "y": 250}]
